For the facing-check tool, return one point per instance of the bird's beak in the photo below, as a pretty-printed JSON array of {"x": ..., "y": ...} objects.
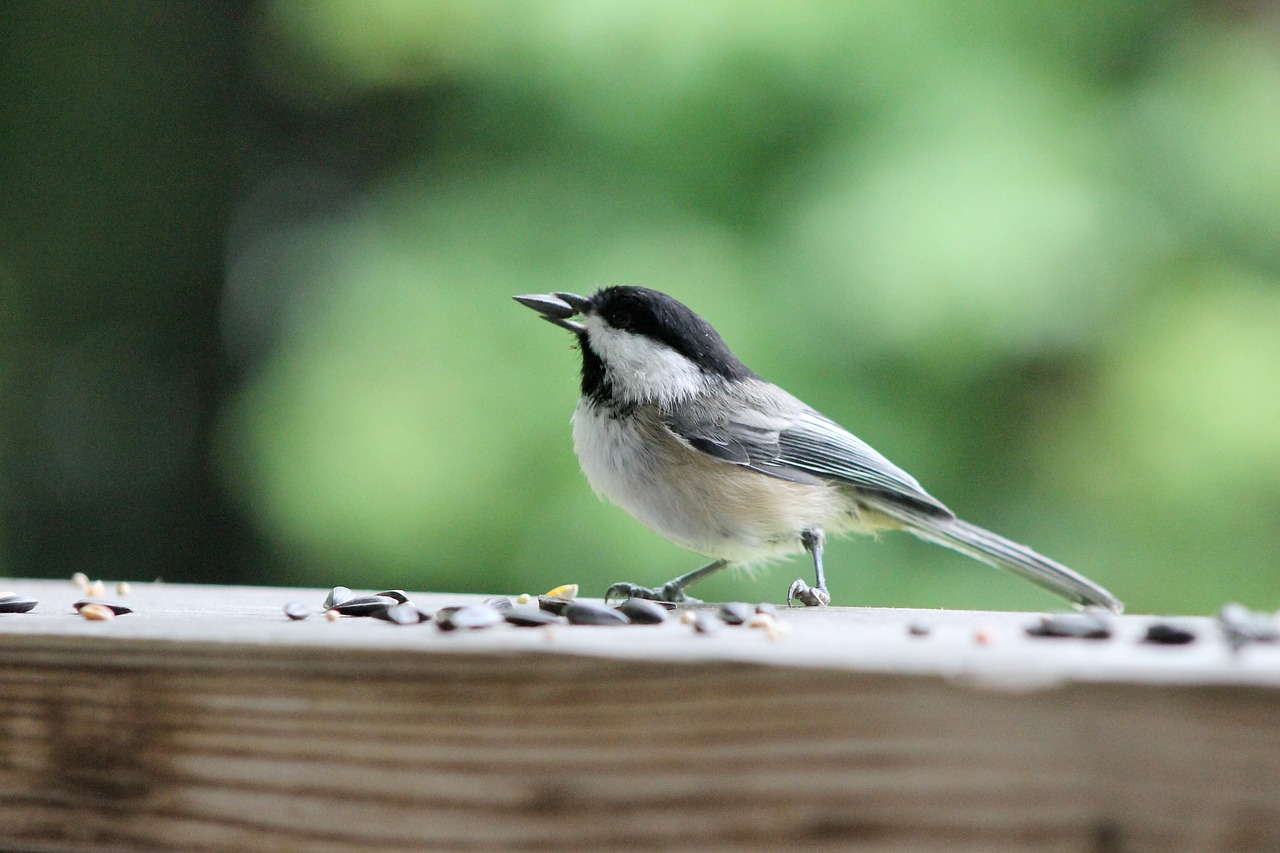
[{"x": 557, "y": 308}]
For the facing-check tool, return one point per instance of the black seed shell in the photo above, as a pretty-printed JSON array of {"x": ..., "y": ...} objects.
[
  {"x": 17, "y": 604},
  {"x": 736, "y": 612},
  {"x": 365, "y": 605},
  {"x": 527, "y": 617},
  {"x": 117, "y": 609},
  {"x": 586, "y": 613},
  {"x": 643, "y": 612},
  {"x": 1169, "y": 634},
  {"x": 554, "y": 603},
  {"x": 402, "y": 613},
  {"x": 1085, "y": 626},
  {"x": 336, "y": 596},
  {"x": 473, "y": 617},
  {"x": 297, "y": 611}
]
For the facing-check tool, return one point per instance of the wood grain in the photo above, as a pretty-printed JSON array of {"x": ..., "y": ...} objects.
[{"x": 359, "y": 735}]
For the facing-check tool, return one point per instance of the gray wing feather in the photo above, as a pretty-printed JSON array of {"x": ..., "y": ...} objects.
[{"x": 802, "y": 446}]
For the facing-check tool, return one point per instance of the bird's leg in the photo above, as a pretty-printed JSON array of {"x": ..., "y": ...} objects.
[
  {"x": 672, "y": 590},
  {"x": 811, "y": 596}
]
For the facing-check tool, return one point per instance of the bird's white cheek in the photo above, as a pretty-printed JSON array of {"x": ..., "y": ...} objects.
[{"x": 641, "y": 369}]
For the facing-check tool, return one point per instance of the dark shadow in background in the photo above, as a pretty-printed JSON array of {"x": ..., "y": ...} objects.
[{"x": 128, "y": 134}]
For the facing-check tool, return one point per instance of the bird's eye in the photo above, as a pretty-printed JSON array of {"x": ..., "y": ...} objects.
[{"x": 620, "y": 319}]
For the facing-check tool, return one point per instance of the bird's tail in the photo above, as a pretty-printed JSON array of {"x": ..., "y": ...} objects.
[{"x": 995, "y": 550}]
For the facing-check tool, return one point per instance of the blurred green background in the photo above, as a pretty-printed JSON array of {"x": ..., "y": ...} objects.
[{"x": 256, "y": 262}]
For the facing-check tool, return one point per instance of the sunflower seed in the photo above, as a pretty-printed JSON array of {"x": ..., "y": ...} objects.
[
  {"x": 586, "y": 613},
  {"x": 365, "y": 605},
  {"x": 336, "y": 596},
  {"x": 116, "y": 609},
  {"x": 297, "y": 611},
  {"x": 643, "y": 612},
  {"x": 402, "y": 613},
  {"x": 553, "y": 603},
  {"x": 17, "y": 604},
  {"x": 771, "y": 626},
  {"x": 497, "y": 602},
  {"x": 1242, "y": 626},
  {"x": 398, "y": 594},
  {"x": 704, "y": 622},
  {"x": 1085, "y": 626},
  {"x": 473, "y": 617},
  {"x": 736, "y": 612},
  {"x": 97, "y": 612},
  {"x": 1169, "y": 634},
  {"x": 527, "y": 617}
]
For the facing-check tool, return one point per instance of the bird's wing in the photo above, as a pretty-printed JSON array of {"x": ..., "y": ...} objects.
[{"x": 803, "y": 446}]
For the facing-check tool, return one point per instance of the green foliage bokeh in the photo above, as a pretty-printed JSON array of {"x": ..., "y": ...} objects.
[{"x": 1028, "y": 251}]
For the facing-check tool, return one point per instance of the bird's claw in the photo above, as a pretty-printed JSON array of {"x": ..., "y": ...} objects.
[
  {"x": 807, "y": 595},
  {"x": 669, "y": 592}
]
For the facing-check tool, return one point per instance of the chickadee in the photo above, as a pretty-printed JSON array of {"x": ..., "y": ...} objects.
[{"x": 673, "y": 428}]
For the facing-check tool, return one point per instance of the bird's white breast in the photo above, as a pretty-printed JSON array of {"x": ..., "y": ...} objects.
[{"x": 701, "y": 503}]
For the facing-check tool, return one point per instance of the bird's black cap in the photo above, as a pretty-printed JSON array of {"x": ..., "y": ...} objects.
[{"x": 656, "y": 315}]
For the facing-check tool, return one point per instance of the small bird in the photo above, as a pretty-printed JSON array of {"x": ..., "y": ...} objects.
[{"x": 675, "y": 429}]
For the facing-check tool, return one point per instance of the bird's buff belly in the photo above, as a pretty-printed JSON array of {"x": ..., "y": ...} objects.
[{"x": 699, "y": 502}]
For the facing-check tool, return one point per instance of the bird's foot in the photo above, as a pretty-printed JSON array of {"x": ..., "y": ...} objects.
[
  {"x": 807, "y": 595},
  {"x": 671, "y": 592}
]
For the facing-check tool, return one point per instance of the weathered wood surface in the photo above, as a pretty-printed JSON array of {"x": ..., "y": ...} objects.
[{"x": 207, "y": 721}]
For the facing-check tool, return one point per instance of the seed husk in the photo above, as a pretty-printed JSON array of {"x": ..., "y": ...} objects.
[
  {"x": 643, "y": 612},
  {"x": 704, "y": 622},
  {"x": 665, "y": 605},
  {"x": 767, "y": 609},
  {"x": 919, "y": 628},
  {"x": 398, "y": 594},
  {"x": 736, "y": 612},
  {"x": 97, "y": 612},
  {"x": 1085, "y": 626},
  {"x": 14, "y": 603},
  {"x": 1169, "y": 634},
  {"x": 497, "y": 602},
  {"x": 553, "y": 603},
  {"x": 473, "y": 617},
  {"x": 402, "y": 613},
  {"x": 586, "y": 613},
  {"x": 297, "y": 611},
  {"x": 336, "y": 596},
  {"x": 772, "y": 627},
  {"x": 527, "y": 617},
  {"x": 364, "y": 605},
  {"x": 116, "y": 609},
  {"x": 1242, "y": 626}
]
